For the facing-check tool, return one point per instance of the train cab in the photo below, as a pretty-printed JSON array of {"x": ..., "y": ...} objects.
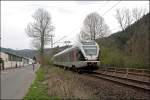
[{"x": 83, "y": 54}]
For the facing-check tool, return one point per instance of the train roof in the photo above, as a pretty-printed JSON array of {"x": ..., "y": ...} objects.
[
  {"x": 88, "y": 42},
  {"x": 77, "y": 44},
  {"x": 66, "y": 50}
]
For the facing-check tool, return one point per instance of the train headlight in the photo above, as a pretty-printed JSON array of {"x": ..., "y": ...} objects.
[{"x": 86, "y": 58}]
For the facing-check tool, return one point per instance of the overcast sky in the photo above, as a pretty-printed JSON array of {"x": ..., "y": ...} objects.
[{"x": 67, "y": 17}]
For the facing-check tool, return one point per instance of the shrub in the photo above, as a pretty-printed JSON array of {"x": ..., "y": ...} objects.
[{"x": 111, "y": 56}]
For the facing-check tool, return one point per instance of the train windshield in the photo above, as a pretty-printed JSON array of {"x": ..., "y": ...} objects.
[{"x": 90, "y": 50}]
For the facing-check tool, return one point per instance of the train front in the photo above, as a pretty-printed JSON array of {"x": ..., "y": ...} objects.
[{"x": 91, "y": 54}]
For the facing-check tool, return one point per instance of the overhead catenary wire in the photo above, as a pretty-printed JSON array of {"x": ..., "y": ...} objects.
[
  {"x": 103, "y": 5},
  {"x": 102, "y": 15},
  {"x": 108, "y": 9},
  {"x": 111, "y": 8},
  {"x": 58, "y": 41}
]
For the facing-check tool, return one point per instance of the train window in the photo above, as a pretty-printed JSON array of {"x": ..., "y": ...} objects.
[
  {"x": 90, "y": 50},
  {"x": 61, "y": 58},
  {"x": 80, "y": 56},
  {"x": 67, "y": 56},
  {"x": 70, "y": 56},
  {"x": 88, "y": 43}
]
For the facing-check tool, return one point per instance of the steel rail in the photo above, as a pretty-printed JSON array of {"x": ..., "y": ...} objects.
[{"x": 120, "y": 80}]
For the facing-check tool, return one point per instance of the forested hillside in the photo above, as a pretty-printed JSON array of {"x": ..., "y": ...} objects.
[{"x": 128, "y": 48}]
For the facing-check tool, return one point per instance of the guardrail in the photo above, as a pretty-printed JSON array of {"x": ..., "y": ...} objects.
[{"x": 141, "y": 72}]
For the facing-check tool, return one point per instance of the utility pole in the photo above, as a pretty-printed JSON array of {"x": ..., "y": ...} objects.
[{"x": 51, "y": 36}]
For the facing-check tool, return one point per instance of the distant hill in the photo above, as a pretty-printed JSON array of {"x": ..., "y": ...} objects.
[
  {"x": 49, "y": 52},
  {"x": 25, "y": 53},
  {"x": 132, "y": 44}
]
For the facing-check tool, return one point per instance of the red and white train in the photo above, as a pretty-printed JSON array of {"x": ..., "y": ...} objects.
[{"x": 83, "y": 54}]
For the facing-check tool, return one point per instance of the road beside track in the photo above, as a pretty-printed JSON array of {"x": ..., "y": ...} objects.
[{"x": 15, "y": 82}]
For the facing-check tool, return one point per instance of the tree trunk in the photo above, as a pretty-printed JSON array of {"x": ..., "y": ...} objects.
[{"x": 42, "y": 49}]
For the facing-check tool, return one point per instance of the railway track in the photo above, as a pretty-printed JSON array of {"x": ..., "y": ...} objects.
[{"x": 144, "y": 85}]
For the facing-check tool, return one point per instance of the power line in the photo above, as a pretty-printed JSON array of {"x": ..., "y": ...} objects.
[
  {"x": 111, "y": 7},
  {"x": 59, "y": 39},
  {"x": 103, "y": 5},
  {"x": 77, "y": 27},
  {"x": 65, "y": 36},
  {"x": 102, "y": 15},
  {"x": 51, "y": 36}
]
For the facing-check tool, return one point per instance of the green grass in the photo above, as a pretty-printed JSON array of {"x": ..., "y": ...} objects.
[{"x": 38, "y": 90}]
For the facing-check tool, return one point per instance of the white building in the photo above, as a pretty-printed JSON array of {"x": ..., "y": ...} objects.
[{"x": 12, "y": 60}]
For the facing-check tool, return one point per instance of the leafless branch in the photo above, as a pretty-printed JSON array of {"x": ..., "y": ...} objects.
[
  {"x": 95, "y": 26},
  {"x": 40, "y": 30}
]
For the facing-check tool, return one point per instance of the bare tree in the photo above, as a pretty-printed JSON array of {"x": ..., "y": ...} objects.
[
  {"x": 138, "y": 13},
  {"x": 40, "y": 30},
  {"x": 95, "y": 26},
  {"x": 126, "y": 17},
  {"x": 36, "y": 44},
  {"x": 120, "y": 16}
]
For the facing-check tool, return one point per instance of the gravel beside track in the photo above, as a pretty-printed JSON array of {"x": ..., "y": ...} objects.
[{"x": 106, "y": 90}]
